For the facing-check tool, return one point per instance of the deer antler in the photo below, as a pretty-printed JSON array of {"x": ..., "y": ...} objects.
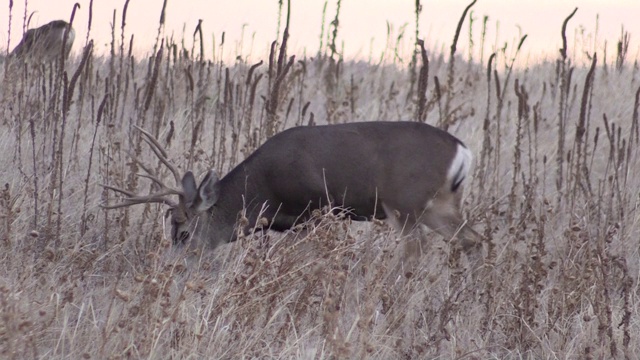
[
  {"x": 158, "y": 197},
  {"x": 132, "y": 199},
  {"x": 160, "y": 152}
]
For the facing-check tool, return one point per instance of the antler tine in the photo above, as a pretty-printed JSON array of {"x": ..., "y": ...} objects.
[
  {"x": 132, "y": 199},
  {"x": 157, "y": 182},
  {"x": 160, "y": 152},
  {"x": 116, "y": 189},
  {"x": 155, "y": 141},
  {"x": 151, "y": 175}
]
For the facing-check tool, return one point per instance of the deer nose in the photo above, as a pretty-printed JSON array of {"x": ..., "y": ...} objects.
[{"x": 181, "y": 238}]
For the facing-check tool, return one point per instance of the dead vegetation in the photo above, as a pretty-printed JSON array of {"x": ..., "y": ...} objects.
[{"x": 555, "y": 191}]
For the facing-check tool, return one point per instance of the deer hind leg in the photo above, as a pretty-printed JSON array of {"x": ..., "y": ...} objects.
[{"x": 442, "y": 214}]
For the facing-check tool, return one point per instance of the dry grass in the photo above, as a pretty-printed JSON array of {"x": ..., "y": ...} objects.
[{"x": 80, "y": 282}]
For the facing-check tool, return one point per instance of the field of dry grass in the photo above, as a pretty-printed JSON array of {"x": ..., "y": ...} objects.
[{"x": 554, "y": 191}]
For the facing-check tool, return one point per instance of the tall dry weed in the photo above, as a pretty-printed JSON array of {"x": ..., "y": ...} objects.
[{"x": 554, "y": 193}]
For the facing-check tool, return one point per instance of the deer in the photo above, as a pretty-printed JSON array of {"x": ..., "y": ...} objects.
[
  {"x": 45, "y": 43},
  {"x": 407, "y": 173}
]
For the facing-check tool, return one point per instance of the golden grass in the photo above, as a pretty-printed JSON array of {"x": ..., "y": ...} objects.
[{"x": 80, "y": 282}]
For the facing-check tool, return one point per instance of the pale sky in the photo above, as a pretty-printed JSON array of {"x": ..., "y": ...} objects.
[{"x": 363, "y": 23}]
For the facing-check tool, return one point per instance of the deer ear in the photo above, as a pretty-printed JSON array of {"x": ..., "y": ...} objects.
[
  {"x": 208, "y": 191},
  {"x": 189, "y": 189}
]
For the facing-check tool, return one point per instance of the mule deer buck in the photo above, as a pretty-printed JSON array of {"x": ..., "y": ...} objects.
[
  {"x": 409, "y": 173},
  {"x": 45, "y": 44}
]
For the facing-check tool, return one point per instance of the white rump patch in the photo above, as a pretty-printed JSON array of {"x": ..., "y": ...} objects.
[
  {"x": 70, "y": 39},
  {"x": 460, "y": 165}
]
